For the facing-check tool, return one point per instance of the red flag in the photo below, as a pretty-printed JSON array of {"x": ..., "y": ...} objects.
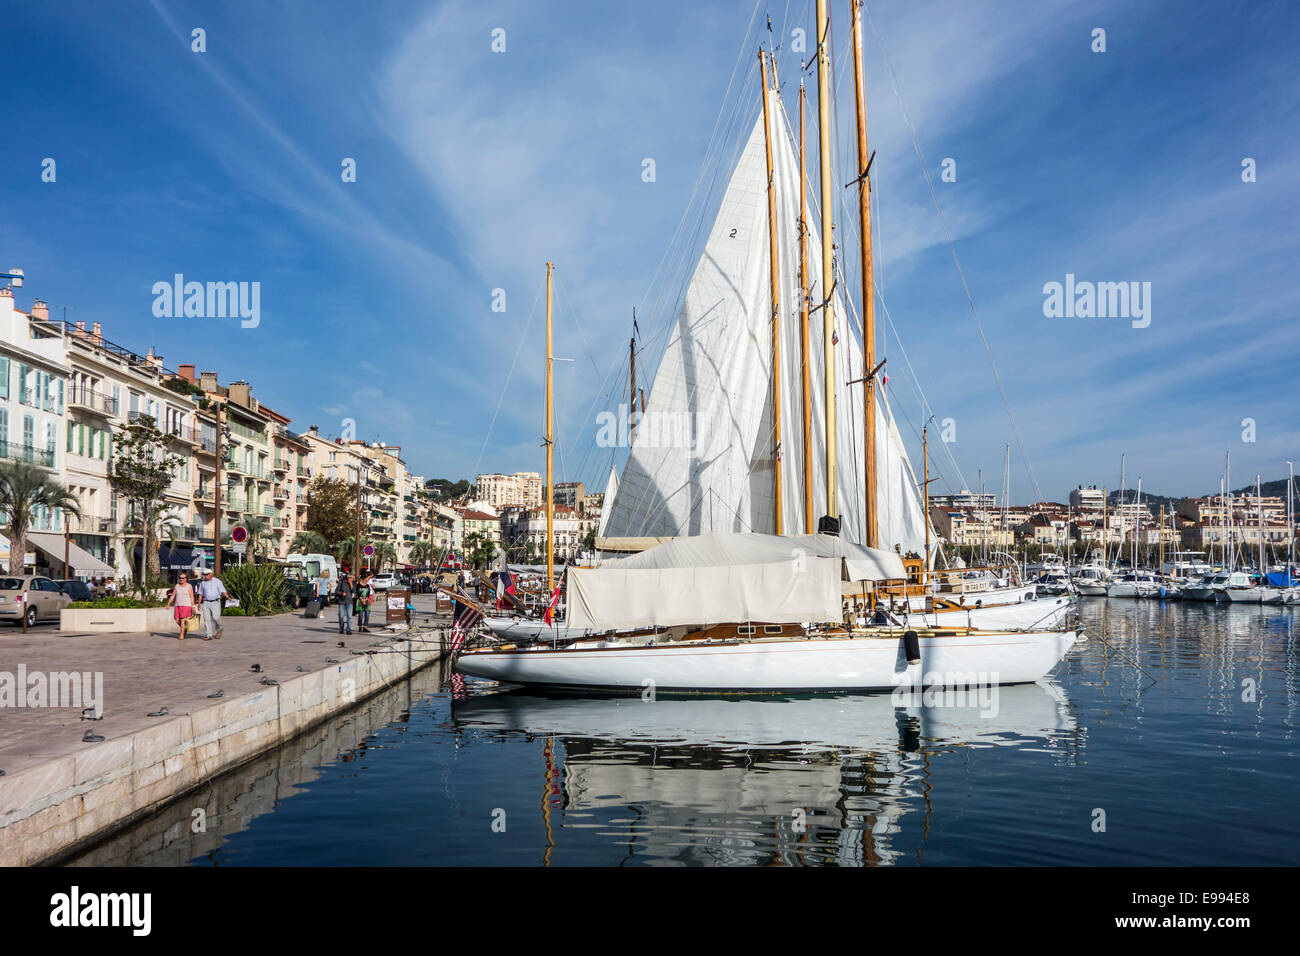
[{"x": 549, "y": 616}]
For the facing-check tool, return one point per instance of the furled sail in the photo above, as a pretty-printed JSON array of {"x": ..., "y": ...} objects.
[{"x": 703, "y": 455}]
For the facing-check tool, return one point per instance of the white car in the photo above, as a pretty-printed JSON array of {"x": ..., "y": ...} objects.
[{"x": 382, "y": 582}]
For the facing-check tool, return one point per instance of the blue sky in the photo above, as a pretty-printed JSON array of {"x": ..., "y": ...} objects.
[{"x": 474, "y": 168}]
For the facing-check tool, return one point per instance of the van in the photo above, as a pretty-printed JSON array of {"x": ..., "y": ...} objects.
[{"x": 315, "y": 568}]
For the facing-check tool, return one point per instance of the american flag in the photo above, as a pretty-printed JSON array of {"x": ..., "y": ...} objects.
[{"x": 465, "y": 617}]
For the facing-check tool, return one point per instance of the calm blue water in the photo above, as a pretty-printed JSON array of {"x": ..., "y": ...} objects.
[{"x": 1190, "y": 768}]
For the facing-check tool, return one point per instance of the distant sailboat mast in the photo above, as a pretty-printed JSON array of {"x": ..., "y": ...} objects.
[
  {"x": 550, "y": 447},
  {"x": 828, "y": 241}
]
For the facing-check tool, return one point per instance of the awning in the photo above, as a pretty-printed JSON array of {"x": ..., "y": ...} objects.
[
  {"x": 82, "y": 561},
  {"x": 173, "y": 559}
]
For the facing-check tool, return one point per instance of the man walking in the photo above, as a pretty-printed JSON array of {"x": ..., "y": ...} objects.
[
  {"x": 344, "y": 595},
  {"x": 211, "y": 591}
]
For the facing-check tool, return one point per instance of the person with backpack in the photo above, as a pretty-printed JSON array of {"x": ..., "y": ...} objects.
[
  {"x": 343, "y": 596},
  {"x": 365, "y": 597}
]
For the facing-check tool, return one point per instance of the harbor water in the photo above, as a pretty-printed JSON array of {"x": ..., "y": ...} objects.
[{"x": 1167, "y": 738}]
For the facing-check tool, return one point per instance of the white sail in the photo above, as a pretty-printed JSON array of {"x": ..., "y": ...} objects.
[
  {"x": 703, "y": 456},
  {"x": 607, "y": 503}
]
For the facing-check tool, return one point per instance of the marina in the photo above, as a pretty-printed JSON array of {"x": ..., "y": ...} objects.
[{"x": 1154, "y": 725}]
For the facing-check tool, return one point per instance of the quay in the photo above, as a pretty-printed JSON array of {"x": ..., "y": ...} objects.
[{"x": 60, "y": 795}]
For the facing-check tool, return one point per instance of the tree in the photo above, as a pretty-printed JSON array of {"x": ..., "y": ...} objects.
[
  {"x": 309, "y": 542},
  {"x": 479, "y": 549},
  {"x": 23, "y": 489},
  {"x": 155, "y": 523},
  {"x": 259, "y": 536},
  {"x": 332, "y": 509},
  {"x": 142, "y": 468},
  {"x": 422, "y": 553},
  {"x": 384, "y": 553},
  {"x": 346, "y": 550}
]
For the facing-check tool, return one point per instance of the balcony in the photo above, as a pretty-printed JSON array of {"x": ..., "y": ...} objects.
[
  {"x": 268, "y": 511},
  {"x": 234, "y": 503},
  {"x": 281, "y": 465},
  {"x": 137, "y": 417},
  {"x": 205, "y": 495},
  {"x": 186, "y": 434},
  {"x": 79, "y": 396},
  {"x": 35, "y": 456},
  {"x": 281, "y": 493}
]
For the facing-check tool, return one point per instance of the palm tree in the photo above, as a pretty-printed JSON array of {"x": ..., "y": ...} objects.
[
  {"x": 156, "y": 524},
  {"x": 346, "y": 550},
  {"x": 23, "y": 489},
  {"x": 422, "y": 552},
  {"x": 259, "y": 536},
  {"x": 309, "y": 542},
  {"x": 385, "y": 552}
]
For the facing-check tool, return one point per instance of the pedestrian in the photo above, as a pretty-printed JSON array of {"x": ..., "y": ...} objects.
[
  {"x": 323, "y": 587},
  {"x": 343, "y": 595},
  {"x": 110, "y": 587},
  {"x": 365, "y": 597},
  {"x": 211, "y": 592},
  {"x": 181, "y": 600}
]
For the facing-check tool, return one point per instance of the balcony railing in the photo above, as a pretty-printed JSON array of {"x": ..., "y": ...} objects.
[
  {"x": 281, "y": 493},
  {"x": 185, "y": 433},
  {"x": 234, "y": 502},
  {"x": 86, "y": 397},
  {"x": 28, "y": 453},
  {"x": 281, "y": 465},
  {"x": 208, "y": 445}
]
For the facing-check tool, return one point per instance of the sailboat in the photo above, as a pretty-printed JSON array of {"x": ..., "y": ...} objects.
[{"x": 727, "y": 599}]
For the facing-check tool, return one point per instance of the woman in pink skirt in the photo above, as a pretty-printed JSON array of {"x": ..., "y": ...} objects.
[{"x": 182, "y": 602}]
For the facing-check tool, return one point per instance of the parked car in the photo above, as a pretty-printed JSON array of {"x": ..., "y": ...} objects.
[
  {"x": 76, "y": 589},
  {"x": 382, "y": 582},
  {"x": 39, "y": 598}
]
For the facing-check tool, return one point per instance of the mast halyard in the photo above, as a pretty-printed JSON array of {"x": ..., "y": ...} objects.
[
  {"x": 550, "y": 447},
  {"x": 828, "y": 256},
  {"x": 776, "y": 304},
  {"x": 631, "y": 400},
  {"x": 868, "y": 299},
  {"x": 806, "y": 356}
]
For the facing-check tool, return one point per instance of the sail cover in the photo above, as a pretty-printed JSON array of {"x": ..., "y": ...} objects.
[
  {"x": 611, "y": 598},
  {"x": 721, "y": 548},
  {"x": 703, "y": 456}
]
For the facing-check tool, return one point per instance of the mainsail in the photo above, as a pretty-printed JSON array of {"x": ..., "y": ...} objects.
[{"x": 702, "y": 459}]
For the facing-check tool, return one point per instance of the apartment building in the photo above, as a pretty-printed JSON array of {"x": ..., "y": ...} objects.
[{"x": 522, "y": 489}]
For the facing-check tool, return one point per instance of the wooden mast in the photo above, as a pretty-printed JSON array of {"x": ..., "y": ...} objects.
[
  {"x": 631, "y": 401},
  {"x": 776, "y": 303},
  {"x": 550, "y": 447},
  {"x": 805, "y": 358},
  {"x": 925, "y": 463},
  {"x": 868, "y": 299},
  {"x": 828, "y": 244}
]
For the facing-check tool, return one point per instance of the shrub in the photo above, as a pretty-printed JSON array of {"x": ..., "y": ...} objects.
[
  {"x": 259, "y": 588},
  {"x": 114, "y": 602}
]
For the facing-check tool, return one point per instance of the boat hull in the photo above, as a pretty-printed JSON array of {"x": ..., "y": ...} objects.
[
  {"x": 865, "y": 662},
  {"x": 1043, "y": 614}
]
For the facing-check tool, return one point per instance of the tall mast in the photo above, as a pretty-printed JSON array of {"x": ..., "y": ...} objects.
[
  {"x": 828, "y": 241},
  {"x": 1105, "y": 531},
  {"x": 776, "y": 303},
  {"x": 1137, "y": 521},
  {"x": 631, "y": 400},
  {"x": 925, "y": 461},
  {"x": 868, "y": 299},
  {"x": 1227, "y": 509},
  {"x": 550, "y": 447},
  {"x": 1290, "y": 520},
  {"x": 805, "y": 357},
  {"x": 1259, "y": 503}
]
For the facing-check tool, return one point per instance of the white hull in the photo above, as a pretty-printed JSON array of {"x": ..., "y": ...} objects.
[
  {"x": 1090, "y": 588},
  {"x": 1043, "y": 614},
  {"x": 1270, "y": 595},
  {"x": 861, "y": 662},
  {"x": 1198, "y": 593},
  {"x": 531, "y": 629},
  {"x": 1127, "y": 590},
  {"x": 1012, "y": 595},
  {"x": 1239, "y": 595}
]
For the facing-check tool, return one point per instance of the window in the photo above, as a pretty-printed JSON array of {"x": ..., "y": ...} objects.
[
  {"x": 24, "y": 384},
  {"x": 4, "y": 376},
  {"x": 71, "y": 427},
  {"x": 29, "y": 436},
  {"x": 4, "y": 433},
  {"x": 51, "y": 442},
  {"x": 81, "y": 439}
]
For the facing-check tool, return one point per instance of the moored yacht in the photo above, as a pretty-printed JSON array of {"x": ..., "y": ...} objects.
[{"x": 1134, "y": 584}]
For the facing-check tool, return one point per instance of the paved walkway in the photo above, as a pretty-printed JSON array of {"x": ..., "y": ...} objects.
[{"x": 145, "y": 672}]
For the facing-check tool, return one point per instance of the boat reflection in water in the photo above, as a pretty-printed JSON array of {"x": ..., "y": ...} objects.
[{"x": 770, "y": 780}]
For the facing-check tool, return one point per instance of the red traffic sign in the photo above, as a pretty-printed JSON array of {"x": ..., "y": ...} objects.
[
  {"x": 368, "y": 550},
  {"x": 239, "y": 534}
]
